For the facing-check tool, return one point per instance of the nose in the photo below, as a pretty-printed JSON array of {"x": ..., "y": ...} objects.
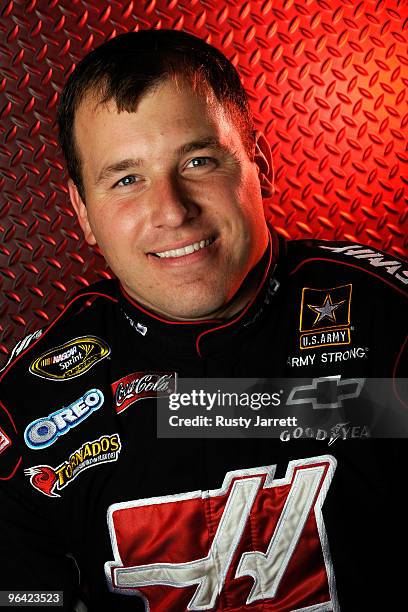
[{"x": 171, "y": 205}]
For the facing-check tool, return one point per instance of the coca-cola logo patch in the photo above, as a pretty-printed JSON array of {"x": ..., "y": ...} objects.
[{"x": 141, "y": 385}]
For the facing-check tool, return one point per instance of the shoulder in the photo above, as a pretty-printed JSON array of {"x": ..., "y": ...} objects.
[
  {"x": 349, "y": 304},
  {"x": 337, "y": 260},
  {"x": 74, "y": 342},
  {"x": 86, "y": 305}
]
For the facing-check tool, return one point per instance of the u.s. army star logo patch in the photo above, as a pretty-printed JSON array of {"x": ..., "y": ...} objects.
[{"x": 325, "y": 317}]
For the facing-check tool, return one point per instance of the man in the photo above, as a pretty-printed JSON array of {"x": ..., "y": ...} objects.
[{"x": 167, "y": 178}]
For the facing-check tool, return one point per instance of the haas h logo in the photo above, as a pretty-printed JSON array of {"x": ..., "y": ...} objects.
[{"x": 256, "y": 544}]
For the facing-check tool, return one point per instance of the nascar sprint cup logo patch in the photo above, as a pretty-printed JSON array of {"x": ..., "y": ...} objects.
[{"x": 71, "y": 359}]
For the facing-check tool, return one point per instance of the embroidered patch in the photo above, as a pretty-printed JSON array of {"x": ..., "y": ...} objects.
[
  {"x": 45, "y": 431},
  {"x": 5, "y": 441},
  {"x": 71, "y": 359},
  {"x": 21, "y": 346},
  {"x": 325, "y": 317},
  {"x": 381, "y": 262},
  {"x": 48, "y": 480},
  {"x": 257, "y": 539},
  {"x": 140, "y": 385}
]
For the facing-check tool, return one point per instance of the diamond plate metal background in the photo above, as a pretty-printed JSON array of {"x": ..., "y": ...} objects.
[{"x": 327, "y": 82}]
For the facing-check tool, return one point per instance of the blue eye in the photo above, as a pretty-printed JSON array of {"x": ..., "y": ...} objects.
[
  {"x": 127, "y": 180},
  {"x": 199, "y": 162}
]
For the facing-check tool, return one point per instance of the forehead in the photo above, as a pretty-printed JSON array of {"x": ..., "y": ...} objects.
[{"x": 164, "y": 116}]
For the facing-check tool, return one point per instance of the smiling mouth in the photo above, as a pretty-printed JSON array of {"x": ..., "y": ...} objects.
[{"x": 186, "y": 250}]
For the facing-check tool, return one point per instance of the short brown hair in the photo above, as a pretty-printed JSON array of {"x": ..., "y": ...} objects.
[{"x": 125, "y": 68}]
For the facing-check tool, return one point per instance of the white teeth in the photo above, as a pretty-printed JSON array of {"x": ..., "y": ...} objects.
[{"x": 187, "y": 250}]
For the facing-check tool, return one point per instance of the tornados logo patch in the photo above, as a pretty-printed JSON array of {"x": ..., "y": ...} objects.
[
  {"x": 48, "y": 480},
  {"x": 257, "y": 543},
  {"x": 71, "y": 359}
]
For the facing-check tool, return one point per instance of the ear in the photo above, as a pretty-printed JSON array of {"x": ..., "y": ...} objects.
[
  {"x": 81, "y": 212},
  {"x": 264, "y": 161}
]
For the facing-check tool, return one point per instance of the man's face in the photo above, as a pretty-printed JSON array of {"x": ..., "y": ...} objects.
[{"x": 172, "y": 199}]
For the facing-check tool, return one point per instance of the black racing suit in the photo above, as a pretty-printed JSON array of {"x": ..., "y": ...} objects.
[{"x": 94, "y": 504}]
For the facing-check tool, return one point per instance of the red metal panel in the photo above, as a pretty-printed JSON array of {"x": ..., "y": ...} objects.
[{"x": 327, "y": 82}]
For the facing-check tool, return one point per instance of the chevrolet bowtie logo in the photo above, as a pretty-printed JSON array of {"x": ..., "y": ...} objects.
[{"x": 326, "y": 392}]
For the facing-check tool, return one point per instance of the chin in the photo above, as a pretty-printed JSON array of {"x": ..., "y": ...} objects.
[{"x": 194, "y": 309}]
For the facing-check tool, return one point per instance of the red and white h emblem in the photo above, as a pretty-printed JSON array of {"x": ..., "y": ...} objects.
[{"x": 256, "y": 543}]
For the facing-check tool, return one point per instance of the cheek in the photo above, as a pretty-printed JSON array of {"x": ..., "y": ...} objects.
[
  {"x": 239, "y": 193},
  {"x": 251, "y": 200},
  {"x": 115, "y": 225}
]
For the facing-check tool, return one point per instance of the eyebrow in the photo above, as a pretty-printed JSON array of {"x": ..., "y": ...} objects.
[
  {"x": 130, "y": 163},
  {"x": 204, "y": 143},
  {"x": 121, "y": 166}
]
